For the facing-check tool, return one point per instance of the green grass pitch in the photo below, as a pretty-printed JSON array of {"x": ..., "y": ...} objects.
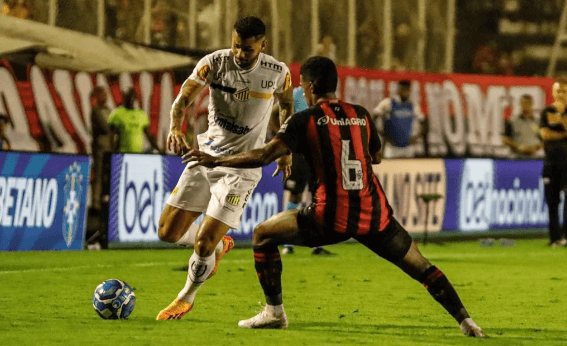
[{"x": 516, "y": 294}]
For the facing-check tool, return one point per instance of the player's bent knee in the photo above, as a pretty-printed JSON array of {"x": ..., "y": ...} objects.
[
  {"x": 261, "y": 236},
  {"x": 205, "y": 244}
]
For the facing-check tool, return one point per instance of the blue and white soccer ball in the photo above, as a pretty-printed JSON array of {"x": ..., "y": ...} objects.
[{"x": 114, "y": 299}]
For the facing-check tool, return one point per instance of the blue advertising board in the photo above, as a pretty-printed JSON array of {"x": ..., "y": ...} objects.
[
  {"x": 141, "y": 184},
  {"x": 43, "y": 201},
  {"x": 494, "y": 194}
]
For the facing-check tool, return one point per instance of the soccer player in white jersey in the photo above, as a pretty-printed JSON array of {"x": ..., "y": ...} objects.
[{"x": 242, "y": 83}]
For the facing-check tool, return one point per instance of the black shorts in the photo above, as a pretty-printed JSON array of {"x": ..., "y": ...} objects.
[
  {"x": 392, "y": 243},
  {"x": 300, "y": 175}
]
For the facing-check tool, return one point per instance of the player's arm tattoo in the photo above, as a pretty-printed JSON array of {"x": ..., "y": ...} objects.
[
  {"x": 189, "y": 91},
  {"x": 286, "y": 104}
]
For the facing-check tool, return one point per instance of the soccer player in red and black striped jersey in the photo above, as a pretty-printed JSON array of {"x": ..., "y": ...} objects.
[{"x": 340, "y": 143}]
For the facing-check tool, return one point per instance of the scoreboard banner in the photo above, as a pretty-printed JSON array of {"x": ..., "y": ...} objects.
[
  {"x": 43, "y": 201},
  {"x": 141, "y": 184}
]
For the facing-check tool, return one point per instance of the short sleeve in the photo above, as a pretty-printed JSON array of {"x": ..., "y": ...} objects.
[
  {"x": 202, "y": 72},
  {"x": 145, "y": 121},
  {"x": 292, "y": 130},
  {"x": 284, "y": 81}
]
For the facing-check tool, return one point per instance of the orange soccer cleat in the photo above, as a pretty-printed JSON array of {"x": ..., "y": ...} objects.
[
  {"x": 175, "y": 310},
  {"x": 228, "y": 243}
]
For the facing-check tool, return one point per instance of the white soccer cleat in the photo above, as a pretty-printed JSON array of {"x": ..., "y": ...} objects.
[
  {"x": 469, "y": 328},
  {"x": 265, "y": 319}
]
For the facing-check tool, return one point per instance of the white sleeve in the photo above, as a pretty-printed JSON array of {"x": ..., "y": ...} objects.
[
  {"x": 202, "y": 73},
  {"x": 383, "y": 108}
]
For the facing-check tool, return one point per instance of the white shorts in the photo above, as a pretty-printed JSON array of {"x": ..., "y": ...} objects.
[
  {"x": 392, "y": 152},
  {"x": 221, "y": 193}
]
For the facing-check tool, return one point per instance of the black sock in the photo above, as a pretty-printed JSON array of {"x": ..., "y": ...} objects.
[
  {"x": 268, "y": 264},
  {"x": 437, "y": 284}
]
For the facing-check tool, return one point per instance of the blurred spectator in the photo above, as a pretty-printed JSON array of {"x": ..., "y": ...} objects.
[
  {"x": 111, "y": 12},
  {"x": 327, "y": 48},
  {"x": 4, "y": 143},
  {"x": 157, "y": 27},
  {"x": 16, "y": 8},
  {"x": 553, "y": 130},
  {"x": 399, "y": 122},
  {"x": 521, "y": 133},
  {"x": 101, "y": 141},
  {"x": 485, "y": 60},
  {"x": 129, "y": 125}
]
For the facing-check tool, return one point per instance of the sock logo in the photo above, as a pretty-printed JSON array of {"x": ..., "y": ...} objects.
[{"x": 198, "y": 270}]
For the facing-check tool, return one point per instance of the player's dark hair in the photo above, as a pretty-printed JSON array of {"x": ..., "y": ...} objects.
[
  {"x": 527, "y": 97},
  {"x": 249, "y": 26},
  {"x": 404, "y": 83},
  {"x": 322, "y": 72}
]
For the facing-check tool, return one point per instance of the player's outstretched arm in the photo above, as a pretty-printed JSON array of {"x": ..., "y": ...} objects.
[
  {"x": 176, "y": 139},
  {"x": 249, "y": 159}
]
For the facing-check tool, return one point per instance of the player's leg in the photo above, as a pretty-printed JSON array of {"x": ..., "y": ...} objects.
[
  {"x": 395, "y": 245},
  {"x": 552, "y": 188},
  {"x": 292, "y": 201},
  {"x": 289, "y": 227}
]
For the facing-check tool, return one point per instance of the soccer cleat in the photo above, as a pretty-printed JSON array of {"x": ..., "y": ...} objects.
[
  {"x": 265, "y": 319},
  {"x": 228, "y": 243},
  {"x": 175, "y": 310},
  {"x": 560, "y": 242},
  {"x": 469, "y": 328}
]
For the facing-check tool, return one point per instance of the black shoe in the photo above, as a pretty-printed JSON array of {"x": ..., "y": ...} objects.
[{"x": 321, "y": 251}]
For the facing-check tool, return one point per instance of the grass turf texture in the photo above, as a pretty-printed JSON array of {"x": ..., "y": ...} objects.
[{"x": 517, "y": 295}]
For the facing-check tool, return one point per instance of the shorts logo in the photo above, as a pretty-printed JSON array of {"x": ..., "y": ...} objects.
[
  {"x": 242, "y": 94},
  {"x": 233, "y": 199},
  {"x": 174, "y": 191},
  {"x": 203, "y": 72}
]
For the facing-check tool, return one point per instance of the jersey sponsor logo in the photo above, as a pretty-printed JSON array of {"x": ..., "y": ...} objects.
[
  {"x": 231, "y": 126},
  {"x": 233, "y": 199},
  {"x": 220, "y": 59},
  {"x": 203, "y": 72},
  {"x": 268, "y": 84},
  {"x": 340, "y": 122},
  {"x": 242, "y": 95},
  {"x": 270, "y": 66}
]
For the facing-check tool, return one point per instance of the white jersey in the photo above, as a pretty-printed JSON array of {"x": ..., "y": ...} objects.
[{"x": 240, "y": 101}]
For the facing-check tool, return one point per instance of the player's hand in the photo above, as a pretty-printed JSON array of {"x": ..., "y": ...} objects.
[
  {"x": 176, "y": 141},
  {"x": 284, "y": 166},
  {"x": 199, "y": 158}
]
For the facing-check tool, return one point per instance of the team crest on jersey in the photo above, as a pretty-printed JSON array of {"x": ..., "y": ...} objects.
[
  {"x": 203, "y": 72},
  {"x": 287, "y": 82},
  {"x": 233, "y": 199},
  {"x": 174, "y": 191},
  {"x": 242, "y": 94}
]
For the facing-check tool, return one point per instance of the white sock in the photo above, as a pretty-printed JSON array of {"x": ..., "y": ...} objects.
[
  {"x": 199, "y": 270},
  {"x": 275, "y": 309},
  {"x": 219, "y": 248},
  {"x": 188, "y": 239}
]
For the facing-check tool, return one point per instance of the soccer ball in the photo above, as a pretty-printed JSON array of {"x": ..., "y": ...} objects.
[{"x": 114, "y": 299}]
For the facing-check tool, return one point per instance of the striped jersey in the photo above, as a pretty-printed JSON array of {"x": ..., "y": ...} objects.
[
  {"x": 240, "y": 101},
  {"x": 338, "y": 141}
]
